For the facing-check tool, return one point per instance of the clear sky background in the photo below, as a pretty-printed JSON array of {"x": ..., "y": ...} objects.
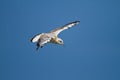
[{"x": 91, "y": 51}]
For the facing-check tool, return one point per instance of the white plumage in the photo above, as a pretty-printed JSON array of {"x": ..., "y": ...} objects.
[{"x": 52, "y": 36}]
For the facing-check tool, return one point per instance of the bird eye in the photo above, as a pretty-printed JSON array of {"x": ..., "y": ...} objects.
[{"x": 60, "y": 41}]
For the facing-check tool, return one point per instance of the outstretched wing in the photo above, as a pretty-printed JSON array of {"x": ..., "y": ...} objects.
[
  {"x": 67, "y": 26},
  {"x": 43, "y": 40},
  {"x": 36, "y": 38}
]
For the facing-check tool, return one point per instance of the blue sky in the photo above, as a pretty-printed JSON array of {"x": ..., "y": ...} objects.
[{"x": 91, "y": 51}]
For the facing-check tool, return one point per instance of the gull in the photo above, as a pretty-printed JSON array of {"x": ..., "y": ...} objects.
[{"x": 52, "y": 36}]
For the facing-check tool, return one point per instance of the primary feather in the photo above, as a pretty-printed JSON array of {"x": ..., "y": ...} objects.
[{"x": 67, "y": 26}]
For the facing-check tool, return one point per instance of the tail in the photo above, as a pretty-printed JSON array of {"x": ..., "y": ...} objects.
[{"x": 38, "y": 46}]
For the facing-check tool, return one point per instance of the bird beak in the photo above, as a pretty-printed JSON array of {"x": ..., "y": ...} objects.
[{"x": 63, "y": 44}]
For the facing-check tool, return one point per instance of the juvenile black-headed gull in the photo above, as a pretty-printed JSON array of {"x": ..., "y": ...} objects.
[{"x": 52, "y": 36}]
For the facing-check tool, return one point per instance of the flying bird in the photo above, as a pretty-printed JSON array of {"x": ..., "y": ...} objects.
[{"x": 52, "y": 36}]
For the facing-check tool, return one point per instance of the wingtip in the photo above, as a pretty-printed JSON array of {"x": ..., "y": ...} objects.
[
  {"x": 31, "y": 40},
  {"x": 77, "y": 21}
]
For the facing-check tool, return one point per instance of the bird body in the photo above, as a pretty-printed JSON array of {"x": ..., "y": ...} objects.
[{"x": 52, "y": 36}]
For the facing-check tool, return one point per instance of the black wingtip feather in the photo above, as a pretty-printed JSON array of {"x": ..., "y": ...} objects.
[
  {"x": 31, "y": 39},
  {"x": 76, "y": 22}
]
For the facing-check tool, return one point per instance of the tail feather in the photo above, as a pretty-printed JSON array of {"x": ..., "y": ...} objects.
[{"x": 38, "y": 46}]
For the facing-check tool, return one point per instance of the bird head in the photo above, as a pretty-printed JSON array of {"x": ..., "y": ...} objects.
[{"x": 60, "y": 41}]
